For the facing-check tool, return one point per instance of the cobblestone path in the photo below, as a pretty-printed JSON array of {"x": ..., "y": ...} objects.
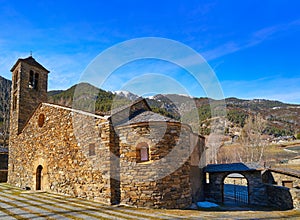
[{"x": 19, "y": 204}]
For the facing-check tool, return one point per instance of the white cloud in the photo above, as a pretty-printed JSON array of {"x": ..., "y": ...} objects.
[{"x": 253, "y": 39}]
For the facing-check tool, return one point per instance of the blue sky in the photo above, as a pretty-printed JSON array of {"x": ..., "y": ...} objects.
[{"x": 252, "y": 46}]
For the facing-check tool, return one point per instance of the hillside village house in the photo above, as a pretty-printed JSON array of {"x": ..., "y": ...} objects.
[{"x": 118, "y": 158}]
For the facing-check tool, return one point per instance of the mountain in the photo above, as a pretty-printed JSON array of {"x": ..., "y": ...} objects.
[
  {"x": 127, "y": 95},
  {"x": 80, "y": 93},
  {"x": 282, "y": 118},
  {"x": 5, "y": 87}
]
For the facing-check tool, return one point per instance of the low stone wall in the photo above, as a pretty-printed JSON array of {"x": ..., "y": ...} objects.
[
  {"x": 278, "y": 178},
  {"x": 279, "y": 197},
  {"x": 296, "y": 197}
]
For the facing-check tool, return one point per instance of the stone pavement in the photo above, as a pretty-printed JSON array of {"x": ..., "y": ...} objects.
[{"x": 19, "y": 204}]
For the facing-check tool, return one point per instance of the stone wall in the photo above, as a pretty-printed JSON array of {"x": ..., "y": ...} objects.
[
  {"x": 295, "y": 193},
  {"x": 278, "y": 178},
  {"x": 82, "y": 156},
  {"x": 164, "y": 180},
  {"x": 279, "y": 197},
  {"x": 61, "y": 147}
]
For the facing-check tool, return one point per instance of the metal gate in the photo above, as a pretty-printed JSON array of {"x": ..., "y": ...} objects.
[{"x": 235, "y": 194}]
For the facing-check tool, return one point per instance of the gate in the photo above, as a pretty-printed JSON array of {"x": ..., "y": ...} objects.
[{"x": 235, "y": 190}]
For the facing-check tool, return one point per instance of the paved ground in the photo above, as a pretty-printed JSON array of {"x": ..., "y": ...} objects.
[{"x": 19, "y": 204}]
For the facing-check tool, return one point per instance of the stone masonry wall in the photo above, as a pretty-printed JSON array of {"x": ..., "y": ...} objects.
[
  {"x": 63, "y": 152},
  {"x": 27, "y": 99},
  {"x": 279, "y": 197},
  {"x": 278, "y": 178},
  {"x": 163, "y": 181},
  {"x": 295, "y": 197}
]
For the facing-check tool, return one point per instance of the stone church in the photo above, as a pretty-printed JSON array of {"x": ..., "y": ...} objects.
[{"x": 131, "y": 156}]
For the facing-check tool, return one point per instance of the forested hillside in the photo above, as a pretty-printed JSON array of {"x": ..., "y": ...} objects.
[
  {"x": 5, "y": 86},
  {"x": 281, "y": 119}
]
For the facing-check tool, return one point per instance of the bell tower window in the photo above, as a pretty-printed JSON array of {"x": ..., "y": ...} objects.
[
  {"x": 14, "y": 101},
  {"x": 33, "y": 80},
  {"x": 16, "y": 79},
  {"x": 36, "y": 81}
]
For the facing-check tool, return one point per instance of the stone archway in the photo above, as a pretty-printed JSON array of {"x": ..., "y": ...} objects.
[
  {"x": 257, "y": 194},
  {"x": 235, "y": 189},
  {"x": 39, "y": 177}
]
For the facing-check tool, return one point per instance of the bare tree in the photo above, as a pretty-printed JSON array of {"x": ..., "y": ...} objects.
[
  {"x": 253, "y": 146},
  {"x": 214, "y": 143},
  {"x": 5, "y": 86}
]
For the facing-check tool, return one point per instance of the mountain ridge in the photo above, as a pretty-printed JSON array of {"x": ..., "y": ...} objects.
[{"x": 282, "y": 117}]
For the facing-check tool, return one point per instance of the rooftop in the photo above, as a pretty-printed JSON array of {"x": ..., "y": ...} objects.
[
  {"x": 148, "y": 116},
  {"x": 31, "y": 61},
  {"x": 232, "y": 167}
]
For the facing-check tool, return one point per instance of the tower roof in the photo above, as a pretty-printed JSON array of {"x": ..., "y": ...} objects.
[{"x": 31, "y": 61}]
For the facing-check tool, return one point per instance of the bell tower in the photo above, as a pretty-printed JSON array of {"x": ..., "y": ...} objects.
[{"x": 29, "y": 89}]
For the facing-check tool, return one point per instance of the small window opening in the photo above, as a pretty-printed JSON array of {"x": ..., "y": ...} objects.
[
  {"x": 15, "y": 102},
  {"x": 207, "y": 178},
  {"x": 16, "y": 80},
  {"x": 142, "y": 152},
  {"x": 33, "y": 80},
  {"x": 92, "y": 151},
  {"x": 41, "y": 120},
  {"x": 39, "y": 177},
  {"x": 287, "y": 183},
  {"x": 36, "y": 81}
]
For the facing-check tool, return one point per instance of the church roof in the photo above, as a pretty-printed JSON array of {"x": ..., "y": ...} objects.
[
  {"x": 124, "y": 107},
  {"x": 31, "y": 61},
  {"x": 148, "y": 116},
  {"x": 232, "y": 167}
]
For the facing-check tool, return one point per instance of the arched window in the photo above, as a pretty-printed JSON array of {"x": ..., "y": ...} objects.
[
  {"x": 31, "y": 80},
  {"x": 16, "y": 75},
  {"x": 36, "y": 81},
  {"x": 15, "y": 99},
  {"x": 41, "y": 120},
  {"x": 142, "y": 152}
]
